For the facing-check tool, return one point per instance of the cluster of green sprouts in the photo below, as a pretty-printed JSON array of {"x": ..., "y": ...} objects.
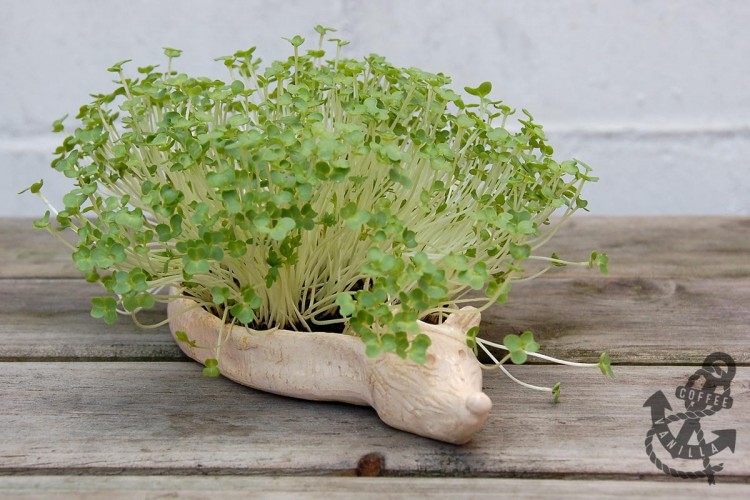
[{"x": 309, "y": 194}]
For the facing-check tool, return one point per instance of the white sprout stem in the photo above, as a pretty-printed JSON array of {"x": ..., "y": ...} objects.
[
  {"x": 560, "y": 361},
  {"x": 533, "y": 276},
  {"x": 559, "y": 261},
  {"x": 538, "y": 355},
  {"x": 514, "y": 379},
  {"x": 47, "y": 202}
]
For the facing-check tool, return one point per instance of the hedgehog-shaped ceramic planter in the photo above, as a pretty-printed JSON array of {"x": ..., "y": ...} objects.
[{"x": 440, "y": 399}]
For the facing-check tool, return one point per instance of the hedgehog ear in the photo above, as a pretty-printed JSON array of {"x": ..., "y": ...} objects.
[{"x": 464, "y": 319}]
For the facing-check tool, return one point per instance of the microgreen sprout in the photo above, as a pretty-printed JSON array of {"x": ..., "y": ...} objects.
[
  {"x": 520, "y": 347},
  {"x": 309, "y": 194}
]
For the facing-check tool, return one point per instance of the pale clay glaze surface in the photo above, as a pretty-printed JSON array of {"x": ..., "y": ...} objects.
[{"x": 441, "y": 399}]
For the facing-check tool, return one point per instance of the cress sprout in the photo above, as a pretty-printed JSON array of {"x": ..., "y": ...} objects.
[{"x": 311, "y": 193}]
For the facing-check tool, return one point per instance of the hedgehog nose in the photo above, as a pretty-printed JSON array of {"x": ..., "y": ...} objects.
[{"x": 479, "y": 403}]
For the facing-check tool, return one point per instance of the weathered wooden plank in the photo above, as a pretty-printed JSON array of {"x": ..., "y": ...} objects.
[
  {"x": 644, "y": 321},
  {"x": 306, "y": 487},
  {"x": 50, "y": 320},
  {"x": 687, "y": 247},
  {"x": 639, "y": 321},
  {"x": 652, "y": 247},
  {"x": 157, "y": 418},
  {"x": 29, "y": 253}
]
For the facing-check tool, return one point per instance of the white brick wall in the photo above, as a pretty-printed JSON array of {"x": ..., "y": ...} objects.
[{"x": 655, "y": 95}]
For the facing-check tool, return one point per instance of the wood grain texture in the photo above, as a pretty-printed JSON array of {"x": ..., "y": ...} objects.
[
  {"x": 26, "y": 252},
  {"x": 344, "y": 488},
  {"x": 49, "y": 320},
  {"x": 658, "y": 247},
  {"x": 649, "y": 247},
  {"x": 678, "y": 289},
  {"x": 638, "y": 321},
  {"x": 165, "y": 418}
]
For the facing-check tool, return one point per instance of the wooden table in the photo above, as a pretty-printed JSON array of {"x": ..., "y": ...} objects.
[{"x": 94, "y": 410}]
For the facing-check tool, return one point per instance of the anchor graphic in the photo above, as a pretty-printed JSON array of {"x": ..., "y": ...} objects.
[
  {"x": 677, "y": 446},
  {"x": 699, "y": 403}
]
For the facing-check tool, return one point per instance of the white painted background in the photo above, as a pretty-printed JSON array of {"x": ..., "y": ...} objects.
[{"x": 655, "y": 95}]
